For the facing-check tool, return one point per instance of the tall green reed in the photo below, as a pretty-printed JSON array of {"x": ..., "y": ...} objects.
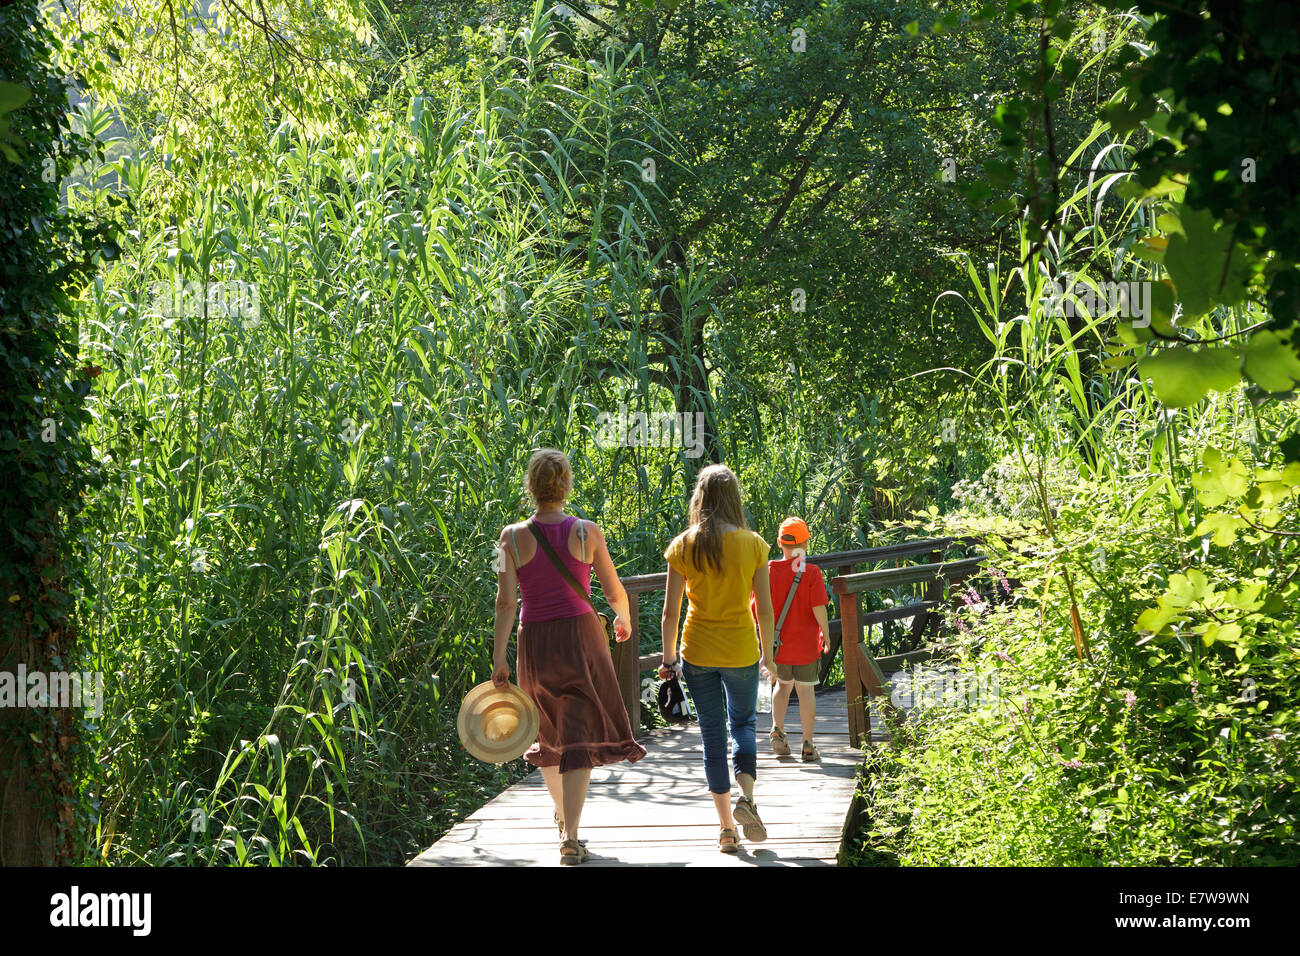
[{"x": 294, "y": 566}]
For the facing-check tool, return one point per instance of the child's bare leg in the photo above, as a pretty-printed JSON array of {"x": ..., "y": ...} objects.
[
  {"x": 807, "y": 708},
  {"x": 780, "y": 701},
  {"x": 746, "y": 784}
]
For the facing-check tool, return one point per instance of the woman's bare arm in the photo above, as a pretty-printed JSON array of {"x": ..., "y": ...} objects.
[
  {"x": 507, "y": 605},
  {"x": 607, "y": 574}
]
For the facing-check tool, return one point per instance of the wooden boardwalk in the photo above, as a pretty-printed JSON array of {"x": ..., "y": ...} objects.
[{"x": 658, "y": 812}]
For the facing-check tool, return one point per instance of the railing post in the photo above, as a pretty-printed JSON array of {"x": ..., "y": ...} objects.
[
  {"x": 833, "y": 642},
  {"x": 933, "y": 592},
  {"x": 850, "y": 635},
  {"x": 627, "y": 667}
]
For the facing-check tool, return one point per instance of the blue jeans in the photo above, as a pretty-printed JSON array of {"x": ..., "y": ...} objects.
[{"x": 725, "y": 695}]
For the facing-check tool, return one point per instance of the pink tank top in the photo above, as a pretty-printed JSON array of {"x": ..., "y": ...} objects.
[{"x": 546, "y": 595}]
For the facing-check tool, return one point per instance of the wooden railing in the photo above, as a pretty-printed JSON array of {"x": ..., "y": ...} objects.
[
  {"x": 630, "y": 663},
  {"x": 864, "y": 675}
]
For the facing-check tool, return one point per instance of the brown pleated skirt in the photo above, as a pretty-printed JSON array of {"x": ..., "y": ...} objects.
[{"x": 565, "y": 667}]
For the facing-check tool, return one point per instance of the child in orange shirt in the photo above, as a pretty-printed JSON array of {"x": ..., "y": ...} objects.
[{"x": 798, "y": 594}]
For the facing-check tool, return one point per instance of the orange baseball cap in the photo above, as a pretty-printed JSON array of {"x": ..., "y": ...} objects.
[{"x": 793, "y": 531}]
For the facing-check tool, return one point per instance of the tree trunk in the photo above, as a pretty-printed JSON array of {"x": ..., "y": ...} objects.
[
  {"x": 691, "y": 392},
  {"x": 37, "y": 785}
]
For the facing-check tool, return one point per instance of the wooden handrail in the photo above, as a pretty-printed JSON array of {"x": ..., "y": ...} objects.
[
  {"x": 642, "y": 583},
  {"x": 863, "y": 677},
  {"x": 888, "y": 552},
  {"x": 630, "y": 663},
  {"x": 893, "y": 577}
]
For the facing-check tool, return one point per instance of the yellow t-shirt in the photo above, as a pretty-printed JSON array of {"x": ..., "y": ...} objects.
[{"x": 720, "y": 629}]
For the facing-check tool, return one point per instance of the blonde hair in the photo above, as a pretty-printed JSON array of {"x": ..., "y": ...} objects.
[
  {"x": 550, "y": 476},
  {"x": 715, "y": 501}
]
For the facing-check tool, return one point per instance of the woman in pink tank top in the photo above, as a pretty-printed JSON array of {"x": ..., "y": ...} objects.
[
  {"x": 546, "y": 594},
  {"x": 563, "y": 659}
]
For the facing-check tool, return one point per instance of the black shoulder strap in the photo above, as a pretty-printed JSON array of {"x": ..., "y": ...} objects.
[
  {"x": 789, "y": 599},
  {"x": 560, "y": 565}
]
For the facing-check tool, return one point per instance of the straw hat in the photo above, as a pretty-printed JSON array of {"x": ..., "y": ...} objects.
[{"x": 497, "y": 724}]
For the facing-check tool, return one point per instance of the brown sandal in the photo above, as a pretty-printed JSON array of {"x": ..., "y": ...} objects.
[
  {"x": 780, "y": 746},
  {"x": 729, "y": 841},
  {"x": 572, "y": 853},
  {"x": 746, "y": 814}
]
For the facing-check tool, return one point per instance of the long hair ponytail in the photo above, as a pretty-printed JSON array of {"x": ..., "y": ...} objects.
[{"x": 715, "y": 501}]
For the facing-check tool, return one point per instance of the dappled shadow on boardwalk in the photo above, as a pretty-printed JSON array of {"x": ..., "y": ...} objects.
[{"x": 658, "y": 812}]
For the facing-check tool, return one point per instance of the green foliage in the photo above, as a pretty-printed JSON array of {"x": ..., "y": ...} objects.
[
  {"x": 1220, "y": 85},
  {"x": 784, "y": 163},
  {"x": 1202, "y": 88},
  {"x": 1181, "y": 377},
  {"x": 203, "y": 86},
  {"x": 357, "y": 289},
  {"x": 304, "y": 479},
  {"x": 46, "y": 457},
  {"x": 47, "y": 254},
  {"x": 1166, "y": 750},
  {"x": 1145, "y": 712}
]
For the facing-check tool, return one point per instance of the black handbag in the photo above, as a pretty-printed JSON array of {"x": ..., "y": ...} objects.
[
  {"x": 606, "y": 621},
  {"x": 673, "y": 706}
]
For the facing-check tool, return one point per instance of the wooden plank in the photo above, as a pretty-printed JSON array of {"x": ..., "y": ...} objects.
[
  {"x": 790, "y": 831},
  {"x": 703, "y": 852},
  {"x": 896, "y": 613},
  {"x": 696, "y": 810},
  {"x": 680, "y": 795},
  {"x": 687, "y": 783},
  {"x": 658, "y": 812},
  {"x": 896, "y": 662}
]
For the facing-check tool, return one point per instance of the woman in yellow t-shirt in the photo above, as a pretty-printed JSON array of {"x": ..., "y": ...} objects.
[{"x": 719, "y": 563}]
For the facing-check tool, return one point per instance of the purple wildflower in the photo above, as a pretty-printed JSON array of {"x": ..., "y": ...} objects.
[
  {"x": 1130, "y": 699},
  {"x": 1003, "y": 656},
  {"x": 1001, "y": 579},
  {"x": 971, "y": 598},
  {"x": 1072, "y": 764}
]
